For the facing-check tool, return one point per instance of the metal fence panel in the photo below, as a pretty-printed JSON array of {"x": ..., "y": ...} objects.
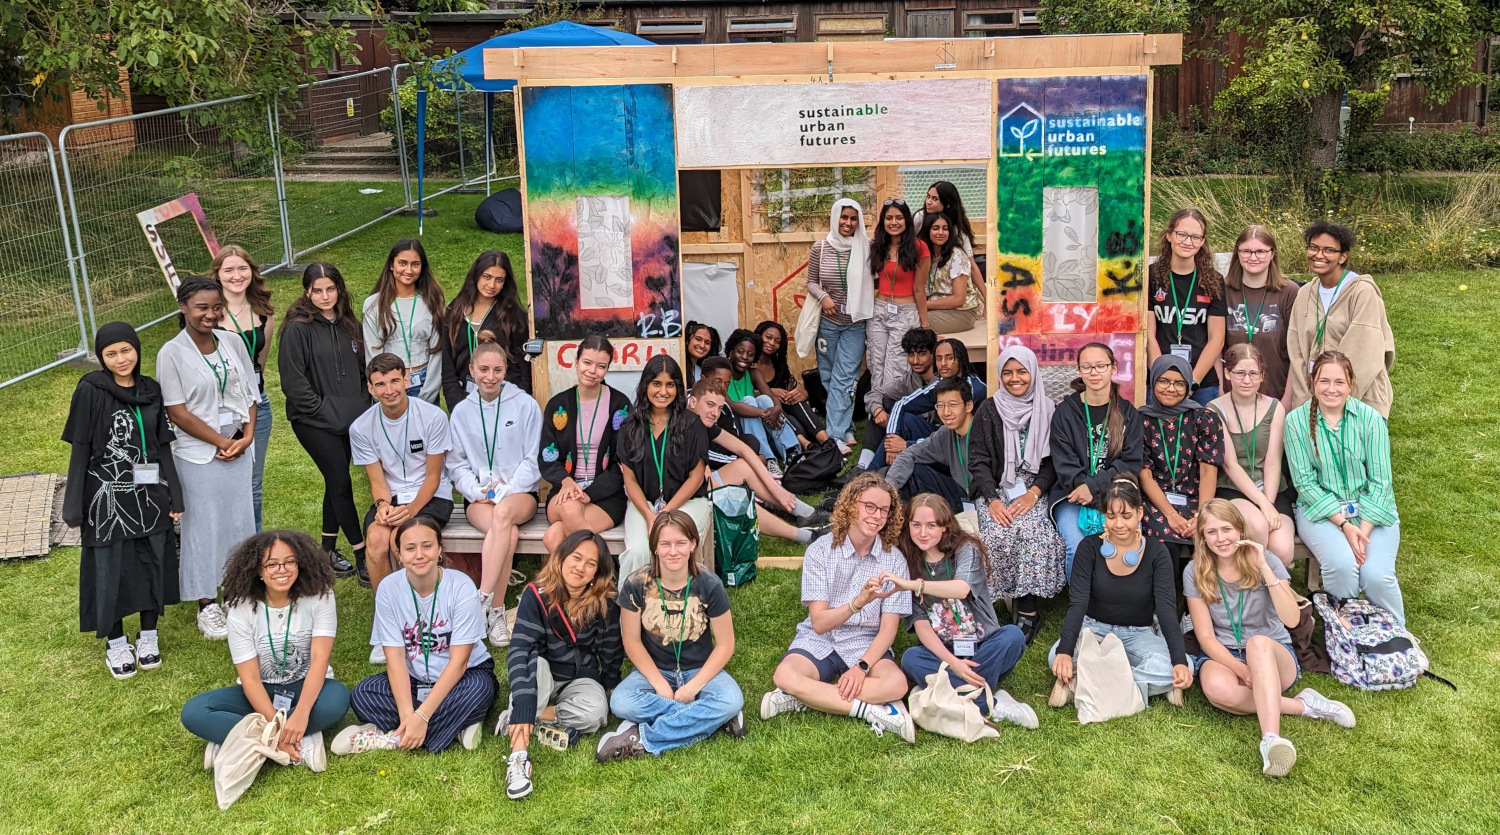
[
  {"x": 42, "y": 320},
  {"x": 115, "y": 168}
]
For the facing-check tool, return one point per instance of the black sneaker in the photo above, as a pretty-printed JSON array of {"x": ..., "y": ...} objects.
[
  {"x": 341, "y": 566},
  {"x": 623, "y": 743},
  {"x": 364, "y": 573},
  {"x": 1029, "y": 624},
  {"x": 734, "y": 727}
]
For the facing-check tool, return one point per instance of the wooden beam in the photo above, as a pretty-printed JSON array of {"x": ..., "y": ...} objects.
[
  {"x": 712, "y": 249},
  {"x": 1069, "y": 53}
]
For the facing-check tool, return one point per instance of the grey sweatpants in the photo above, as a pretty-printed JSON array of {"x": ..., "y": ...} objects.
[{"x": 581, "y": 703}]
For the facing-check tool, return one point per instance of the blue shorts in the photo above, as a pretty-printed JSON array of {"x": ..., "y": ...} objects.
[
  {"x": 1239, "y": 654},
  {"x": 832, "y": 666}
]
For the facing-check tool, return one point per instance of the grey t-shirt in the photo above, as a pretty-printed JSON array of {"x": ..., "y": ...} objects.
[
  {"x": 958, "y": 618},
  {"x": 1260, "y": 616}
]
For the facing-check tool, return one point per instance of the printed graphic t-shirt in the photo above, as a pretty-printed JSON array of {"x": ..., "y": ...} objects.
[
  {"x": 1196, "y": 308},
  {"x": 668, "y": 618},
  {"x": 1265, "y": 312},
  {"x": 282, "y": 638},
  {"x": 449, "y": 616}
]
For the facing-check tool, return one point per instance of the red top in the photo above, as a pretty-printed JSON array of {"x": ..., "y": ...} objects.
[{"x": 896, "y": 282}]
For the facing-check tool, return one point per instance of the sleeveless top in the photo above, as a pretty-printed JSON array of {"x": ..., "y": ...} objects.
[{"x": 1255, "y": 469}]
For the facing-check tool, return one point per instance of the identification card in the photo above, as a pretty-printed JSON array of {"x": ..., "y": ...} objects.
[
  {"x": 1260, "y": 484},
  {"x": 1016, "y": 491},
  {"x": 1351, "y": 509},
  {"x": 227, "y": 423},
  {"x": 1184, "y": 351},
  {"x": 1176, "y": 499},
  {"x": 406, "y": 497},
  {"x": 146, "y": 474},
  {"x": 963, "y": 648},
  {"x": 892, "y": 309},
  {"x": 844, "y": 309},
  {"x": 423, "y": 692},
  {"x": 584, "y": 484},
  {"x": 282, "y": 702},
  {"x": 658, "y": 504},
  {"x": 969, "y": 507}
]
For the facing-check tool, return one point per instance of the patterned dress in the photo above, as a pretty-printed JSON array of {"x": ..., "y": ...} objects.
[
  {"x": 1202, "y": 442},
  {"x": 1029, "y": 556}
]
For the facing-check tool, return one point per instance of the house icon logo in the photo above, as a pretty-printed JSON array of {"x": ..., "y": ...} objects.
[{"x": 1021, "y": 133}]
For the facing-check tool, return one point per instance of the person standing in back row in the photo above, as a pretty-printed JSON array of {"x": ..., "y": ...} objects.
[
  {"x": 405, "y": 315},
  {"x": 488, "y": 301},
  {"x": 897, "y": 258},
  {"x": 1258, "y": 301},
  {"x": 838, "y": 279},
  {"x": 1187, "y": 297},
  {"x": 247, "y": 303}
]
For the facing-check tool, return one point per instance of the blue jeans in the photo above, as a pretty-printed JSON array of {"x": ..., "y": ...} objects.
[
  {"x": 262, "y": 441},
  {"x": 996, "y": 656},
  {"x": 1066, "y": 517},
  {"x": 1342, "y": 577},
  {"x": 841, "y": 348},
  {"x": 1150, "y": 660},
  {"x": 772, "y": 441},
  {"x": 665, "y": 723},
  {"x": 1204, "y": 394},
  {"x": 212, "y": 715}
]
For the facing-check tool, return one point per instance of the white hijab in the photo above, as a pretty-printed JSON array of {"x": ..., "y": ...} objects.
[{"x": 861, "y": 293}]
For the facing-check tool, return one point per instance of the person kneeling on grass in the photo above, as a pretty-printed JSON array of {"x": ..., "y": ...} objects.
[
  {"x": 675, "y": 622},
  {"x": 564, "y": 654},
  {"x": 952, "y": 613},
  {"x": 841, "y": 660},
  {"x": 439, "y": 681},
  {"x": 1241, "y": 606},
  {"x": 278, "y": 586}
]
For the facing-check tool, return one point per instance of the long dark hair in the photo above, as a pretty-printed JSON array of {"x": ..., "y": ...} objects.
[
  {"x": 960, "y": 353},
  {"x": 303, "y": 310},
  {"x": 512, "y": 318},
  {"x": 1208, "y": 275},
  {"x": 713, "y": 340},
  {"x": 940, "y": 254},
  {"x": 906, "y": 245},
  {"x": 635, "y": 435},
  {"x": 953, "y": 207},
  {"x": 1114, "y": 421},
  {"x": 954, "y": 537},
  {"x": 385, "y": 288},
  {"x": 782, "y": 378},
  {"x": 242, "y": 581}
]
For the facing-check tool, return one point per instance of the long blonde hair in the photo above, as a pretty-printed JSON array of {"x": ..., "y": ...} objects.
[{"x": 1205, "y": 566}]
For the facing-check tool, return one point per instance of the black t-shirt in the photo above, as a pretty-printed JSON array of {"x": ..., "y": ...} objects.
[
  {"x": 665, "y": 619},
  {"x": 1098, "y": 418},
  {"x": 1193, "y": 305},
  {"x": 680, "y": 453}
]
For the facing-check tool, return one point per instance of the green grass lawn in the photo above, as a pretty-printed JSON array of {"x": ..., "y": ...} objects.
[{"x": 82, "y": 752}]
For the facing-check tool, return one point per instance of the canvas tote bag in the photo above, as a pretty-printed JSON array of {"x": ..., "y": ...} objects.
[
  {"x": 943, "y": 709},
  {"x": 1104, "y": 687},
  {"x": 250, "y": 743}
]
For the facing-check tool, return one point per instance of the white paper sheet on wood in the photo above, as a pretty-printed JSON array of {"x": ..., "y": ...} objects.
[
  {"x": 1070, "y": 244},
  {"x": 711, "y": 294},
  {"x": 630, "y": 357},
  {"x": 605, "y": 277}
]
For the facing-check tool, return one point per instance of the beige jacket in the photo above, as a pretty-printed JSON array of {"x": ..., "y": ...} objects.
[{"x": 1357, "y": 327}]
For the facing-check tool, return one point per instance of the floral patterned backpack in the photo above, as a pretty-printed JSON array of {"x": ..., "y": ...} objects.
[{"x": 1367, "y": 648}]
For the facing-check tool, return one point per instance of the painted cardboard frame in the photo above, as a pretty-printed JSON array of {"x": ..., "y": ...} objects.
[{"x": 747, "y": 65}]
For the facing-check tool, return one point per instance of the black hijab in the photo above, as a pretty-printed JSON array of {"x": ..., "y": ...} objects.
[{"x": 145, "y": 390}]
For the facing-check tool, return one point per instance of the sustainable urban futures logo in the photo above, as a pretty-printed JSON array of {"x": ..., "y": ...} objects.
[{"x": 823, "y": 126}]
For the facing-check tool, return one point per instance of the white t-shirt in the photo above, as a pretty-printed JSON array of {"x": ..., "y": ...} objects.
[
  {"x": 402, "y": 446},
  {"x": 190, "y": 378},
  {"x": 453, "y": 610},
  {"x": 1329, "y": 294},
  {"x": 279, "y": 641}
]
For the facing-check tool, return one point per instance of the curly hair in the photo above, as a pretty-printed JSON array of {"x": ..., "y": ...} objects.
[
  {"x": 242, "y": 582},
  {"x": 953, "y": 537},
  {"x": 846, "y": 508},
  {"x": 1208, "y": 275}
]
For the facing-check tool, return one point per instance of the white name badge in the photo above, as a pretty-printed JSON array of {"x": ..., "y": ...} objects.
[
  {"x": 963, "y": 649},
  {"x": 1351, "y": 509},
  {"x": 1016, "y": 491},
  {"x": 423, "y": 693},
  {"x": 282, "y": 702},
  {"x": 1176, "y": 499},
  {"x": 146, "y": 474},
  {"x": 968, "y": 507},
  {"x": 1184, "y": 351},
  {"x": 892, "y": 309},
  {"x": 584, "y": 484},
  {"x": 406, "y": 497},
  {"x": 844, "y": 309},
  {"x": 227, "y": 423},
  {"x": 1259, "y": 484}
]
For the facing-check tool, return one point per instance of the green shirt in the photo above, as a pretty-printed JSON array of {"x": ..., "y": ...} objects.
[
  {"x": 741, "y": 387},
  {"x": 1352, "y": 463}
]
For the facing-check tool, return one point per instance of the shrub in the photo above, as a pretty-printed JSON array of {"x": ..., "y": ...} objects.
[{"x": 442, "y": 145}]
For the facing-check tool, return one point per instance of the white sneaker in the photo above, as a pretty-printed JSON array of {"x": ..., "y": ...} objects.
[
  {"x": 471, "y": 735},
  {"x": 1318, "y": 706},
  {"x": 518, "y": 776},
  {"x": 1277, "y": 755},
  {"x": 844, "y": 449},
  {"x": 1007, "y": 709},
  {"x": 120, "y": 660},
  {"x": 357, "y": 739},
  {"x": 779, "y": 701},
  {"x": 495, "y": 628},
  {"x": 314, "y": 753},
  {"x": 502, "y": 725},
  {"x": 147, "y": 655},
  {"x": 377, "y": 655},
  {"x": 213, "y": 622},
  {"x": 208, "y": 756},
  {"x": 892, "y": 717}
]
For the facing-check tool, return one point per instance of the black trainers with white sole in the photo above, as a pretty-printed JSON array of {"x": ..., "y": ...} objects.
[
  {"x": 120, "y": 660},
  {"x": 623, "y": 743}
]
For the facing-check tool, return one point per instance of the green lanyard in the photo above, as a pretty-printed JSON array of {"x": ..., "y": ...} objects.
[
  {"x": 489, "y": 443},
  {"x": 1236, "y": 619},
  {"x": 586, "y": 443},
  {"x": 286, "y": 639},
  {"x": 1323, "y": 319},
  {"x": 405, "y": 325},
  {"x": 406, "y": 429},
  {"x": 660, "y": 457},
  {"x": 1192, "y": 285},
  {"x": 661, "y": 597},
  {"x": 250, "y": 338},
  {"x": 1176, "y": 457},
  {"x": 224, "y": 380},
  {"x": 1254, "y": 440},
  {"x": 842, "y": 259},
  {"x": 1340, "y": 451},
  {"x": 426, "y": 638},
  {"x": 141, "y": 422},
  {"x": 1096, "y": 453},
  {"x": 1253, "y": 320},
  {"x": 473, "y": 337},
  {"x": 961, "y": 447}
]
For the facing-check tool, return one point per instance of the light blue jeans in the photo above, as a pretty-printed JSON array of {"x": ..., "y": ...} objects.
[
  {"x": 784, "y": 438},
  {"x": 665, "y": 723},
  {"x": 1150, "y": 660},
  {"x": 1066, "y": 517},
  {"x": 262, "y": 441},
  {"x": 841, "y": 348},
  {"x": 1342, "y": 577}
]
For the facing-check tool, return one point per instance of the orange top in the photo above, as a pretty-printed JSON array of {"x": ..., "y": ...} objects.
[{"x": 895, "y": 282}]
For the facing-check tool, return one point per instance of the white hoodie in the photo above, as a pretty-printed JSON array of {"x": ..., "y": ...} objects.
[{"x": 514, "y": 427}]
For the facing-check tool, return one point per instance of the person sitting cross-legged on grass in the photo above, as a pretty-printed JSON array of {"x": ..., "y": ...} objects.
[
  {"x": 679, "y": 634},
  {"x": 1242, "y": 605},
  {"x": 439, "y": 681},
  {"x": 565, "y": 652},
  {"x": 278, "y": 586},
  {"x": 841, "y": 661}
]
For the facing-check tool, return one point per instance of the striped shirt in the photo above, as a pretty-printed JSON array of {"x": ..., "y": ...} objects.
[
  {"x": 825, "y": 277},
  {"x": 835, "y": 575},
  {"x": 594, "y": 651},
  {"x": 1352, "y": 463}
]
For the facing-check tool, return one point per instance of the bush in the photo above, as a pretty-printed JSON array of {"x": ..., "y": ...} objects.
[
  {"x": 1465, "y": 148},
  {"x": 442, "y": 146}
]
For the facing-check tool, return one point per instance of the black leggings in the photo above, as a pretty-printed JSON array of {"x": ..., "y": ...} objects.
[
  {"x": 148, "y": 623},
  {"x": 804, "y": 422},
  {"x": 330, "y": 454}
]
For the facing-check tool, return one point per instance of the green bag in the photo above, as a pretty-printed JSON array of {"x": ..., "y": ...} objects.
[{"x": 736, "y": 533}]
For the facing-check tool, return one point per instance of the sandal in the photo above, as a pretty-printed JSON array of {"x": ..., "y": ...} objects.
[{"x": 1030, "y": 623}]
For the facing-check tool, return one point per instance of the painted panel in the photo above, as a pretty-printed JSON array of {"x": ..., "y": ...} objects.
[
  {"x": 601, "y": 211},
  {"x": 624, "y": 370},
  {"x": 833, "y": 124}
]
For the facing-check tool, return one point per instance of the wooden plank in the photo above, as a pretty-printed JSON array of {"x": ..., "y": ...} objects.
[
  {"x": 712, "y": 249},
  {"x": 793, "y": 563}
]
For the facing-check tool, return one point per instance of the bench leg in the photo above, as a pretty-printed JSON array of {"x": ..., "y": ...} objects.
[{"x": 1314, "y": 575}]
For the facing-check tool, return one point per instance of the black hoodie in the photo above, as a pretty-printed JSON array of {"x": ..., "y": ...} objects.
[
  {"x": 1070, "y": 449},
  {"x": 322, "y": 375}
]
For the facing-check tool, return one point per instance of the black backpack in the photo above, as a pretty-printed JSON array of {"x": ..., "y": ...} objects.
[{"x": 815, "y": 470}]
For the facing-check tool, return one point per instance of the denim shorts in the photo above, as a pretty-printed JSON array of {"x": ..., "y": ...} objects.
[
  {"x": 831, "y": 666},
  {"x": 1239, "y": 654}
]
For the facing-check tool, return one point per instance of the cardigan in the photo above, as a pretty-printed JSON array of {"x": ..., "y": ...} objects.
[{"x": 559, "y": 439}]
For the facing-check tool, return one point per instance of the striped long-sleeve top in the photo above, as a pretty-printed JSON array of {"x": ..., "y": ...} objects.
[
  {"x": 1351, "y": 463},
  {"x": 542, "y": 630}
]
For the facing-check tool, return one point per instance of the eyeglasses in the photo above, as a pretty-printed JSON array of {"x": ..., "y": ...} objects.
[
  {"x": 1187, "y": 238},
  {"x": 875, "y": 509},
  {"x": 1254, "y": 253},
  {"x": 1172, "y": 385},
  {"x": 279, "y": 567},
  {"x": 1102, "y": 368},
  {"x": 1326, "y": 251},
  {"x": 1245, "y": 375},
  {"x": 894, "y": 201}
]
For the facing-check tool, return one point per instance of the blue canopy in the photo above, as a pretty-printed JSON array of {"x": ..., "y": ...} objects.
[{"x": 470, "y": 67}]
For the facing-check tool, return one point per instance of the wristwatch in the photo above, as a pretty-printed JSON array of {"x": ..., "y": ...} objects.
[{"x": 863, "y": 665}]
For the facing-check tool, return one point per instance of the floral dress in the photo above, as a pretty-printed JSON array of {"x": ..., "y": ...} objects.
[
  {"x": 1029, "y": 556},
  {"x": 1201, "y": 442}
]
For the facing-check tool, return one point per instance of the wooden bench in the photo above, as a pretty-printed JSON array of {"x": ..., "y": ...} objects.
[{"x": 461, "y": 539}]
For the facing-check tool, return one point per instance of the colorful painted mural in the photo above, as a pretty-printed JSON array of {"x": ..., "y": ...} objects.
[
  {"x": 1071, "y": 187},
  {"x": 601, "y": 211}
]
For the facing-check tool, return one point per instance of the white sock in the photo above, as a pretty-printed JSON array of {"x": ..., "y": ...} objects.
[
  {"x": 858, "y": 709},
  {"x": 518, "y": 756},
  {"x": 146, "y": 633},
  {"x": 804, "y": 536},
  {"x": 802, "y": 509},
  {"x": 865, "y": 457},
  {"x": 117, "y": 643}
]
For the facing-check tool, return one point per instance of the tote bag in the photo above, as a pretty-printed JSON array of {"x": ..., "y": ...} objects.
[
  {"x": 250, "y": 743},
  {"x": 1105, "y": 687},
  {"x": 736, "y": 533},
  {"x": 952, "y": 711}
]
